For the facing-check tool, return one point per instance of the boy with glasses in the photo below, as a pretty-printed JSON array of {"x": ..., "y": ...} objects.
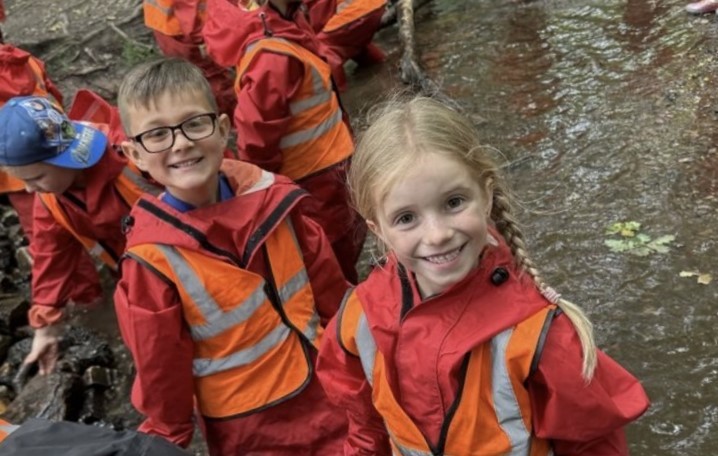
[
  {"x": 226, "y": 286},
  {"x": 85, "y": 188}
]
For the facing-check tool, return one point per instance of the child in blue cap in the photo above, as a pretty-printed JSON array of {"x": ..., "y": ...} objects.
[{"x": 85, "y": 188}]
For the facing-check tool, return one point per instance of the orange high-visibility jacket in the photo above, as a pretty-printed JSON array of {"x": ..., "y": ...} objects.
[
  {"x": 5, "y": 429},
  {"x": 252, "y": 338},
  {"x": 495, "y": 373},
  {"x": 166, "y": 17},
  {"x": 130, "y": 184},
  {"x": 317, "y": 136},
  {"x": 349, "y": 11}
]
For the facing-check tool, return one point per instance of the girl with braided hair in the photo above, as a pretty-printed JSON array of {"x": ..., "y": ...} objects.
[{"x": 454, "y": 344}]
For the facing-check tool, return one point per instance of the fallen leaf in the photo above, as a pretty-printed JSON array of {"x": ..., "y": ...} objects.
[
  {"x": 705, "y": 279},
  {"x": 689, "y": 273}
]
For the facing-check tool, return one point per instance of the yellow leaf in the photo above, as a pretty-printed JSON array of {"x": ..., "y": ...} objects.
[
  {"x": 704, "y": 279},
  {"x": 688, "y": 273},
  {"x": 627, "y": 232}
]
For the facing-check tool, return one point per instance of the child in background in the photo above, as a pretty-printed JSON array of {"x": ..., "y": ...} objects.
[
  {"x": 176, "y": 25},
  {"x": 21, "y": 74},
  {"x": 455, "y": 345},
  {"x": 289, "y": 119},
  {"x": 84, "y": 188},
  {"x": 226, "y": 286},
  {"x": 349, "y": 32}
]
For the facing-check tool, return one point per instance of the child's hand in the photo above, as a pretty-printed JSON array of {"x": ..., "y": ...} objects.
[{"x": 45, "y": 348}]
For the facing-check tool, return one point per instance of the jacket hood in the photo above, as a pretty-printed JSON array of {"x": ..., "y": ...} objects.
[
  {"x": 10, "y": 55},
  {"x": 224, "y": 225},
  {"x": 16, "y": 78},
  {"x": 229, "y": 29}
]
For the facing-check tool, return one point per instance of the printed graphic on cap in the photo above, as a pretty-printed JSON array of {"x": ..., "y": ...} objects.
[{"x": 81, "y": 152}]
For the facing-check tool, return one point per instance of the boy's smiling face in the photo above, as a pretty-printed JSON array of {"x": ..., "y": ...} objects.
[{"x": 188, "y": 169}]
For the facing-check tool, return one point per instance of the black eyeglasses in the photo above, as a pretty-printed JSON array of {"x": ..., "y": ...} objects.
[{"x": 162, "y": 138}]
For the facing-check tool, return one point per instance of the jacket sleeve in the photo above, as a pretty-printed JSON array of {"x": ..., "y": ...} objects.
[
  {"x": 149, "y": 314},
  {"x": 262, "y": 114},
  {"x": 346, "y": 386},
  {"x": 325, "y": 274},
  {"x": 580, "y": 418},
  {"x": 61, "y": 269}
]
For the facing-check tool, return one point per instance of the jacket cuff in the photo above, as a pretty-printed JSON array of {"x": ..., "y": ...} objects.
[{"x": 41, "y": 316}]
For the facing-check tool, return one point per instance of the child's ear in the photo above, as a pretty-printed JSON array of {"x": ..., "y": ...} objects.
[
  {"x": 375, "y": 229},
  {"x": 224, "y": 125},
  {"x": 129, "y": 148}
]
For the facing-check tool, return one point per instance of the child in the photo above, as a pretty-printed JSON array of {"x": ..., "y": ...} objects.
[
  {"x": 350, "y": 30},
  {"x": 85, "y": 188},
  {"x": 455, "y": 342},
  {"x": 176, "y": 25},
  {"x": 22, "y": 74},
  {"x": 288, "y": 118},
  {"x": 226, "y": 286}
]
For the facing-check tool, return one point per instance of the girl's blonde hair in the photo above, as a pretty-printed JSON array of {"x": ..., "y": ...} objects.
[{"x": 399, "y": 133}]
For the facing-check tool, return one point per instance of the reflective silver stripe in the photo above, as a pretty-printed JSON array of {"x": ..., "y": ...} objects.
[
  {"x": 168, "y": 11},
  {"x": 342, "y": 5},
  {"x": 367, "y": 348},
  {"x": 8, "y": 428},
  {"x": 96, "y": 250},
  {"x": 410, "y": 451},
  {"x": 294, "y": 284},
  {"x": 203, "y": 367},
  {"x": 310, "y": 332},
  {"x": 141, "y": 182},
  {"x": 217, "y": 321},
  {"x": 506, "y": 405},
  {"x": 307, "y": 135},
  {"x": 308, "y": 103}
]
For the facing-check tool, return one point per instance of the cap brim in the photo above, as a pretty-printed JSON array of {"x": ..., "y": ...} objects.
[{"x": 85, "y": 151}]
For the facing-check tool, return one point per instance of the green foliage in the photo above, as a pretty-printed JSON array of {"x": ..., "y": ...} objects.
[
  {"x": 134, "y": 53},
  {"x": 626, "y": 237}
]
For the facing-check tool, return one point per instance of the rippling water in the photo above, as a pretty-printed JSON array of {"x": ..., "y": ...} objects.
[{"x": 606, "y": 111}]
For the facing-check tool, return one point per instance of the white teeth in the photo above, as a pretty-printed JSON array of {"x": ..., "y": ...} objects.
[
  {"x": 443, "y": 258},
  {"x": 185, "y": 164}
]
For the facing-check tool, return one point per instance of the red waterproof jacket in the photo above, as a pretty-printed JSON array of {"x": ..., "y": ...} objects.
[
  {"x": 424, "y": 343},
  {"x": 263, "y": 115},
  {"x": 273, "y": 78},
  {"x": 95, "y": 212},
  {"x": 23, "y": 74},
  {"x": 150, "y": 313}
]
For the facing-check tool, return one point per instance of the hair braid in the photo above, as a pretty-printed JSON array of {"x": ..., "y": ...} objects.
[{"x": 506, "y": 223}]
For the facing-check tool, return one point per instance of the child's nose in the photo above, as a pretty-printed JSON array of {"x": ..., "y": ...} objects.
[
  {"x": 437, "y": 231},
  {"x": 181, "y": 140}
]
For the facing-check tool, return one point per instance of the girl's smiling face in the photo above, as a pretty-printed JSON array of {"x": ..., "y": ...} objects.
[{"x": 435, "y": 219}]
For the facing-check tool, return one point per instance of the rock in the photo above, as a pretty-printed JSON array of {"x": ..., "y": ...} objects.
[
  {"x": 13, "y": 313},
  {"x": 81, "y": 349},
  {"x": 57, "y": 396}
]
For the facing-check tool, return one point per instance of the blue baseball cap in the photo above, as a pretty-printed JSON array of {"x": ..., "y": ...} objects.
[{"x": 32, "y": 130}]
